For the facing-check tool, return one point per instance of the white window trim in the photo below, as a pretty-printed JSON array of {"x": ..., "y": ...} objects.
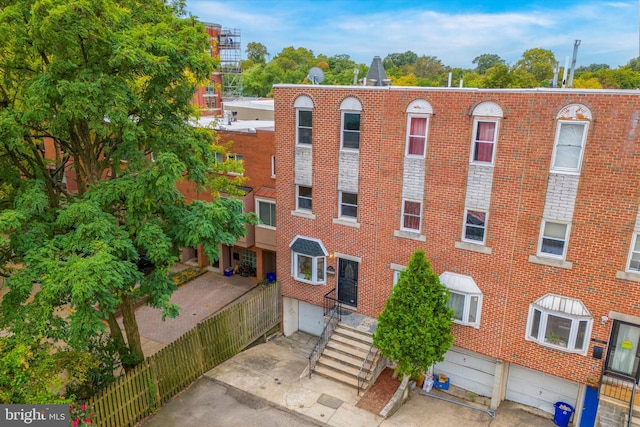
[
  {"x": 426, "y": 136},
  {"x": 298, "y": 208},
  {"x": 467, "y": 307},
  {"x": 466, "y": 287},
  {"x": 342, "y": 130},
  {"x": 566, "y": 240},
  {"x": 464, "y": 227},
  {"x": 582, "y": 147},
  {"x": 474, "y": 141},
  {"x": 314, "y": 269},
  {"x": 575, "y": 322},
  {"x": 273, "y": 167},
  {"x": 234, "y": 157},
  {"x": 397, "y": 269},
  {"x": 340, "y": 203},
  {"x": 258, "y": 201},
  {"x": 411, "y": 230},
  {"x": 304, "y": 144},
  {"x": 634, "y": 240}
]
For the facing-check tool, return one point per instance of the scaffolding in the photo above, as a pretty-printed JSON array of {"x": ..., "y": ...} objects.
[{"x": 230, "y": 47}]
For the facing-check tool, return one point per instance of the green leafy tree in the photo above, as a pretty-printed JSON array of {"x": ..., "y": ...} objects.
[
  {"x": 102, "y": 90},
  {"x": 538, "y": 62},
  {"x": 257, "y": 53},
  {"x": 414, "y": 329},
  {"x": 485, "y": 61}
]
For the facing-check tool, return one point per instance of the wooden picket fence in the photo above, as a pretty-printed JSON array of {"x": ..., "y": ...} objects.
[{"x": 158, "y": 378}]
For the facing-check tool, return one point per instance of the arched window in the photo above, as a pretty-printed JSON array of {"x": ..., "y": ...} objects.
[
  {"x": 350, "y": 136},
  {"x": 571, "y": 134},
  {"x": 304, "y": 120},
  {"x": 419, "y": 112},
  {"x": 486, "y": 121}
]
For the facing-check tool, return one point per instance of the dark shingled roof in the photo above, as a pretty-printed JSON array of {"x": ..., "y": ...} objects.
[
  {"x": 376, "y": 72},
  {"x": 307, "y": 247}
]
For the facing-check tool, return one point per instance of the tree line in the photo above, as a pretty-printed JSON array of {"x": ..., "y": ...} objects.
[{"x": 536, "y": 68}]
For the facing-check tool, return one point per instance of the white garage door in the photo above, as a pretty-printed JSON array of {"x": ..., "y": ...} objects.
[
  {"x": 310, "y": 318},
  {"x": 469, "y": 371},
  {"x": 533, "y": 388}
]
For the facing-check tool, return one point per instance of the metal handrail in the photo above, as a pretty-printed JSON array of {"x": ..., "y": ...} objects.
[
  {"x": 323, "y": 339},
  {"x": 620, "y": 387},
  {"x": 361, "y": 379},
  {"x": 331, "y": 302}
]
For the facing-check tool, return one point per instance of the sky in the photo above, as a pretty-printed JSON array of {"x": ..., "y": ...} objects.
[{"x": 454, "y": 31}]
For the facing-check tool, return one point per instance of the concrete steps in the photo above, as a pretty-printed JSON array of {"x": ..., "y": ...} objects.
[{"x": 345, "y": 354}]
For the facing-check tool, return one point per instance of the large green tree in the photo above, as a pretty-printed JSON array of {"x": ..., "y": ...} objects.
[
  {"x": 414, "y": 329},
  {"x": 101, "y": 90}
]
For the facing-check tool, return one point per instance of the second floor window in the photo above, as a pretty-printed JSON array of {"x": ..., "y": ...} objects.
[
  {"x": 411, "y": 215},
  {"x": 553, "y": 239},
  {"x": 267, "y": 213},
  {"x": 348, "y": 204},
  {"x": 304, "y": 198},
  {"x": 634, "y": 256},
  {"x": 475, "y": 226}
]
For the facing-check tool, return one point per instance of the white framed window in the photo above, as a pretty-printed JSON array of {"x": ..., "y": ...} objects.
[
  {"x": 411, "y": 215},
  {"x": 351, "y": 130},
  {"x": 553, "y": 239},
  {"x": 475, "y": 226},
  {"x": 633, "y": 265},
  {"x": 235, "y": 157},
  {"x": 416, "y": 136},
  {"x": 561, "y": 323},
  {"x": 266, "y": 211},
  {"x": 303, "y": 198},
  {"x": 465, "y": 298},
  {"x": 304, "y": 128},
  {"x": 485, "y": 134},
  {"x": 308, "y": 260},
  {"x": 273, "y": 166},
  {"x": 466, "y": 307},
  {"x": 309, "y": 269},
  {"x": 348, "y": 205},
  {"x": 397, "y": 270},
  {"x": 569, "y": 146}
]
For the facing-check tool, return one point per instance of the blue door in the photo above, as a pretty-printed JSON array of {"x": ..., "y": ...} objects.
[{"x": 589, "y": 407}]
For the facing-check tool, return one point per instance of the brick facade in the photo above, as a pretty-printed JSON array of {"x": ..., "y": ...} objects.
[{"x": 519, "y": 190}]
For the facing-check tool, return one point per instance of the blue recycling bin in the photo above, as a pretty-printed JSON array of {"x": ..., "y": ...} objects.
[
  {"x": 563, "y": 414},
  {"x": 271, "y": 277}
]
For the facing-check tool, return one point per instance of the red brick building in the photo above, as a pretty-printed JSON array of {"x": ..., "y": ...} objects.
[
  {"x": 253, "y": 143},
  {"x": 526, "y": 202}
]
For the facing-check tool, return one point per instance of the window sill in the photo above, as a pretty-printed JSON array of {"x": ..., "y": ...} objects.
[
  {"x": 628, "y": 275},
  {"x": 475, "y": 247},
  {"x": 471, "y": 325},
  {"x": 561, "y": 172},
  {"x": 557, "y": 347},
  {"x": 266, "y": 226},
  {"x": 347, "y": 222},
  {"x": 304, "y": 145},
  {"x": 308, "y": 282},
  {"x": 485, "y": 164},
  {"x": 350, "y": 150},
  {"x": 410, "y": 235},
  {"x": 303, "y": 214},
  {"x": 551, "y": 262}
]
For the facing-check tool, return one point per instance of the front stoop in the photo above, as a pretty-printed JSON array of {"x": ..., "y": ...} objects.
[
  {"x": 614, "y": 413},
  {"x": 344, "y": 355}
]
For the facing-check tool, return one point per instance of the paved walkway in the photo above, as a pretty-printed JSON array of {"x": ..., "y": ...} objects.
[{"x": 198, "y": 299}]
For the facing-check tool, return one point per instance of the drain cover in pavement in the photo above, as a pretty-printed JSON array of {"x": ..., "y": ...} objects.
[{"x": 329, "y": 401}]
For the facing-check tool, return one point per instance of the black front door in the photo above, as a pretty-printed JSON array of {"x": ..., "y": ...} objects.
[{"x": 348, "y": 282}]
